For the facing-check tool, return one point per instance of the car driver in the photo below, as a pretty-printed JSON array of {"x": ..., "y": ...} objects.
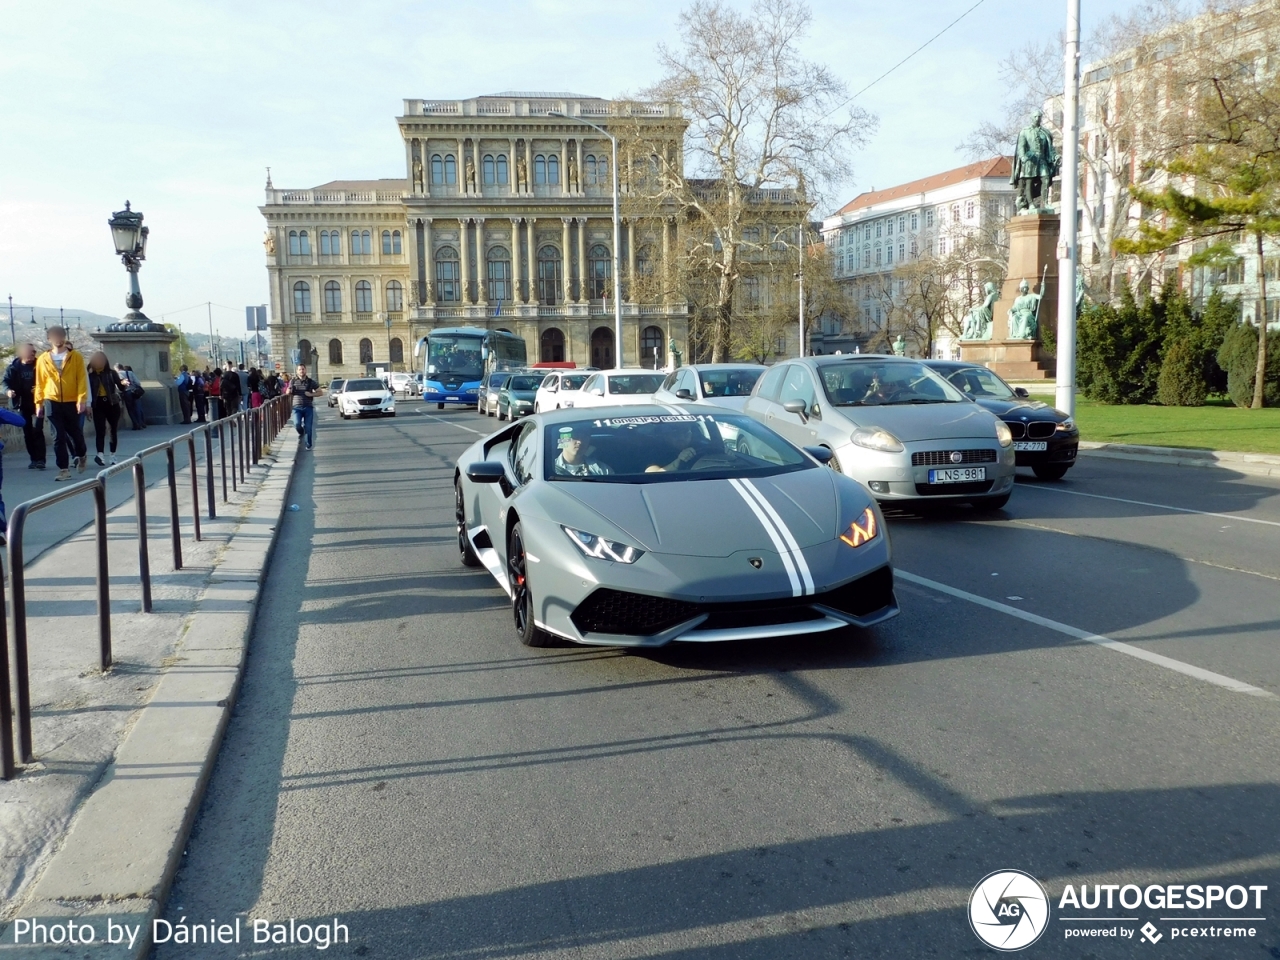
[
  {"x": 683, "y": 441},
  {"x": 575, "y": 459}
]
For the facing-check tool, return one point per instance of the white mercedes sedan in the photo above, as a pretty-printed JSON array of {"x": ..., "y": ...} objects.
[{"x": 367, "y": 397}]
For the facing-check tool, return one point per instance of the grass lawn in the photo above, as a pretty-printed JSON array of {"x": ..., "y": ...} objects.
[{"x": 1219, "y": 425}]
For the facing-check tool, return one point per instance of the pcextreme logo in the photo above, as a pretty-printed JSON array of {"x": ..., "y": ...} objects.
[{"x": 1009, "y": 910}]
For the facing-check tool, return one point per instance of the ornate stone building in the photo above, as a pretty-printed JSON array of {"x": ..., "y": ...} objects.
[{"x": 503, "y": 220}]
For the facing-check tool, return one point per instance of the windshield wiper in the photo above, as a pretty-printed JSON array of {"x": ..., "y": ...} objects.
[{"x": 892, "y": 403}]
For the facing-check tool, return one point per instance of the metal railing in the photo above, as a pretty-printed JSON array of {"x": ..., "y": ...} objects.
[{"x": 243, "y": 432}]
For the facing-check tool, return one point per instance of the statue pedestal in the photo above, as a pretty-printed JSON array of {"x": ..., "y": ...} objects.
[
  {"x": 1033, "y": 247},
  {"x": 147, "y": 352}
]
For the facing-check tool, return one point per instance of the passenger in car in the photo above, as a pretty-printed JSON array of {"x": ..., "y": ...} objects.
[{"x": 576, "y": 455}]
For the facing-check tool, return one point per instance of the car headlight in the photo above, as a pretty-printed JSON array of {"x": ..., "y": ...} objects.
[
  {"x": 602, "y": 549},
  {"x": 877, "y": 439},
  {"x": 1003, "y": 433},
  {"x": 863, "y": 530},
  {"x": 472, "y": 391},
  {"x": 430, "y": 390},
  {"x": 1066, "y": 426}
]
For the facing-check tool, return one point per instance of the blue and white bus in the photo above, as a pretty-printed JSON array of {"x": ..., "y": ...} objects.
[{"x": 458, "y": 359}]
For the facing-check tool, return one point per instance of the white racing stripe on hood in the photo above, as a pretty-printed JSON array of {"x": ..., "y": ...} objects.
[
  {"x": 778, "y": 543},
  {"x": 796, "y": 553}
]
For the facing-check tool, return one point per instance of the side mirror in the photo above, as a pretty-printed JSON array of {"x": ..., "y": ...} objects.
[
  {"x": 597, "y": 391},
  {"x": 486, "y": 471},
  {"x": 684, "y": 393},
  {"x": 821, "y": 454},
  {"x": 798, "y": 407},
  {"x": 1021, "y": 392}
]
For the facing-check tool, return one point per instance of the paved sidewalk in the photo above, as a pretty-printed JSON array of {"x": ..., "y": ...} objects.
[{"x": 81, "y": 716}]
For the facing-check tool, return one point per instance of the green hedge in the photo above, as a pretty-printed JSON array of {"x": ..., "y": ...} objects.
[{"x": 1238, "y": 355}]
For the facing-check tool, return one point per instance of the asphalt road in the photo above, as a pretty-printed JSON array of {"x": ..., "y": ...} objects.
[{"x": 399, "y": 761}]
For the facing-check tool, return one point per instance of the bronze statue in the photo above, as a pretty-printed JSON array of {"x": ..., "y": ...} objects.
[
  {"x": 1035, "y": 164},
  {"x": 1024, "y": 314},
  {"x": 977, "y": 322}
]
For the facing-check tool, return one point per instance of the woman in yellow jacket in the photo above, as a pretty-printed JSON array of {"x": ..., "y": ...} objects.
[{"x": 62, "y": 385}]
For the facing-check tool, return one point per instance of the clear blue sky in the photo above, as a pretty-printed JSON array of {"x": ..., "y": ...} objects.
[{"x": 179, "y": 107}]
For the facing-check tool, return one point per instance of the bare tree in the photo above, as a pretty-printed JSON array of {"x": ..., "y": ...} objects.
[{"x": 767, "y": 128}]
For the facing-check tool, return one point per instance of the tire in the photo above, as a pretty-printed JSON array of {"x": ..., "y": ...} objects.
[
  {"x": 1051, "y": 471},
  {"x": 501, "y": 416},
  {"x": 522, "y": 605},
  {"x": 439, "y": 406},
  {"x": 466, "y": 552},
  {"x": 834, "y": 462},
  {"x": 988, "y": 504},
  {"x": 743, "y": 447}
]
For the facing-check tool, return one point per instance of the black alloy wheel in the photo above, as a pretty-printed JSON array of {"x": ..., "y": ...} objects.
[
  {"x": 466, "y": 552},
  {"x": 522, "y": 605},
  {"x": 1050, "y": 471}
]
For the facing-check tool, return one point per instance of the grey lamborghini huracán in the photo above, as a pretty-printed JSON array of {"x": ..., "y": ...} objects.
[{"x": 641, "y": 525}]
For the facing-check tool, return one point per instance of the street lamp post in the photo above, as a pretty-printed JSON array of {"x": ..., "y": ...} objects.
[
  {"x": 617, "y": 235},
  {"x": 12, "y": 330},
  {"x": 130, "y": 238},
  {"x": 386, "y": 318}
]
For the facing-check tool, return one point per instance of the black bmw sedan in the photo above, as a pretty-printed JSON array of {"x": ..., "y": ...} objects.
[{"x": 1044, "y": 438}]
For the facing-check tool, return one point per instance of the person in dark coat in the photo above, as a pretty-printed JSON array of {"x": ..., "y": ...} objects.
[
  {"x": 20, "y": 385},
  {"x": 231, "y": 393}
]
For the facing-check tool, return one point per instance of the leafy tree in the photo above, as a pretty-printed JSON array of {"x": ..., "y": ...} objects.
[
  {"x": 1181, "y": 382},
  {"x": 1224, "y": 172},
  {"x": 762, "y": 119},
  {"x": 1119, "y": 348},
  {"x": 1238, "y": 356}
]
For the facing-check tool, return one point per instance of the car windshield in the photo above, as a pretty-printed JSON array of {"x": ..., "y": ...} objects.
[
  {"x": 459, "y": 356},
  {"x": 359, "y": 386},
  {"x": 573, "y": 381},
  {"x": 524, "y": 383},
  {"x": 980, "y": 383},
  {"x": 336, "y": 384},
  {"x": 659, "y": 448},
  {"x": 635, "y": 384},
  {"x": 497, "y": 379},
  {"x": 728, "y": 383},
  {"x": 874, "y": 383}
]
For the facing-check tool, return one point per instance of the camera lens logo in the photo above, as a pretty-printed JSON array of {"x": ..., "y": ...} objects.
[{"x": 1008, "y": 910}]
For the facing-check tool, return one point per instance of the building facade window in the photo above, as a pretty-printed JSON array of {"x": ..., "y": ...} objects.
[
  {"x": 444, "y": 169},
  {"x": 551, "y": 346},
  {"x": 651, "y": 352},
  {"x": 498, "y": 274},
  {"x": 866, "y": 257},
  {"x": 361, "y": 242},
  {"x": 391, "y": 243},
  {"x": 955, "y": 213},
  {"x": 332, "y": 297},
  {"x": 546, "y": 169},
  {"x": 489, "y": 170},
  {"x": 888, "y": 255},
  {"x": 750, "y": 292},
  {"x": 299, "y": 243},
  {"x": 968, "y": 210},
  {"x": 928, "y": 217},
  {"x": 502, "y": 170},
  {"x": 879, "y": 255},
  {"x": 366, "y": 350},
  {"x": 644, "y": 261},
  {"x": 915, "y": 222},
  {"x": 902, "y": 252},
  {"x": 599, "y": 271},
  {"x": 335, "y": 353},
  {"x": 304, "y": 351},
  {"x": 397, "y": 350},
  {"x": 539, "y": 169},
  {"x": 364, "y": 297},
  {"x": 549, "y": 275},
  {"x": 448, "y": 277},
  {"x": 302, "y": 297},
  {"x": 325, "y": 249},
  {"x": 888, "y": 226},
  {"x": 395, "y": 297},
  {"x": 879, "y": 228}
]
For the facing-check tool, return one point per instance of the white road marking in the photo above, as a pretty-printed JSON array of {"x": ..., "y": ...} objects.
[
  {"x": 778, "y": 543},
  {"x": 1228, "y": 683},
  {"x": 479, "y": 433},
  {"x": 1158, "y": 506}
]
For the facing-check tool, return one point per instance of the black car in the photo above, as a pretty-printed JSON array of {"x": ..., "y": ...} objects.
[{"x": 1044, "y": 438}]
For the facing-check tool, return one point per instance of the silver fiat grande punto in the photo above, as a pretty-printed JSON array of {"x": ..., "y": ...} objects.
[{"x": 893, "y": 425}]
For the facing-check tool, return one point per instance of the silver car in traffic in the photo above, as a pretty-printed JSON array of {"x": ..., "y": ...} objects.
[{"x": 892, "y": 424}]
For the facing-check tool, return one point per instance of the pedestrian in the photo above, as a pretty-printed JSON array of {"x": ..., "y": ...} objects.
[
  {"x": 230, "y": 392},
  {"x": 183, "y": 382},
  {"x": 213, "y": 385},
  {"x": 105, "y": 400},
  {"x": 271, "y": 386},
  {"x": 17, "y": 420},
  {"x": 243, "y": 374},
  {"x": 62, "y": 386},
  {"x": 132, "y": 395},
  {"x": 304, "y": 390},
  {"x": 20, "y": 384},
  {"x": 255, "y": 388},
  {"x": 200, "y": 396}
]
